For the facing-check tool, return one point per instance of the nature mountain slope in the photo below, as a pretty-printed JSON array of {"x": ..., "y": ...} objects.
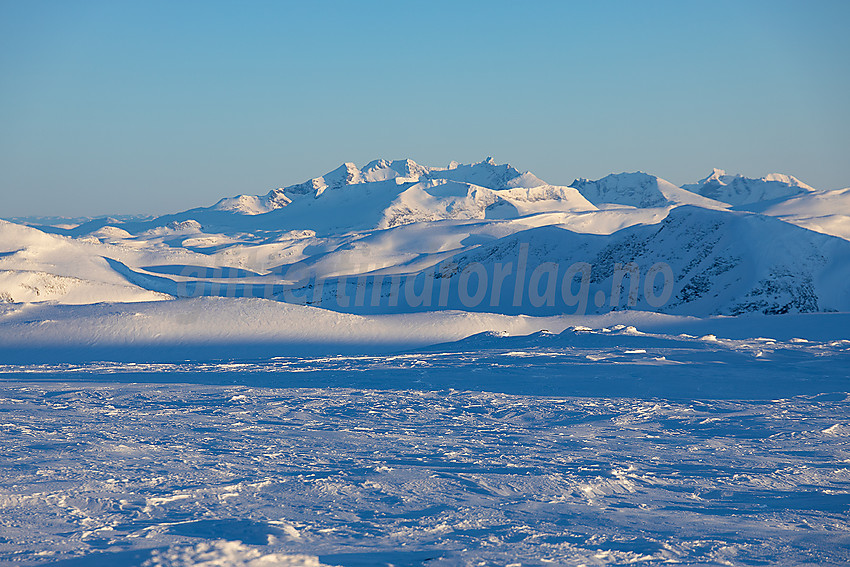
[
  {"x": 822, "y": 211},
  {"x": 782, "y": 196},
  {"x": 639, "y": 190},
  {"x": 720, "y": 263},
  {"x": 35, "y": 266},
  {"x": 737, "y": 190},
  {"x": 386, "y": 193},
  {"x": 398, "y": 219}
]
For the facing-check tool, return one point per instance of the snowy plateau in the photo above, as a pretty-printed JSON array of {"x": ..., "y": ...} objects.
[{"x": 398, "y": 364}]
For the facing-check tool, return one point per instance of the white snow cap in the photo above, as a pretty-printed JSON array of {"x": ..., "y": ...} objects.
[
  {"x": 737, "y": 190},
  {"x": 638, "y": 189}
]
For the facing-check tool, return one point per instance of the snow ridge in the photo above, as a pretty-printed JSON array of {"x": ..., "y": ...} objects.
[
  {"x": 639, "y": 190},
  {"x": 738, "y": 190}
]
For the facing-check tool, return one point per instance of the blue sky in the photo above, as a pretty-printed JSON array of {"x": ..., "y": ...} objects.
[{"x": 150, "y": 107}]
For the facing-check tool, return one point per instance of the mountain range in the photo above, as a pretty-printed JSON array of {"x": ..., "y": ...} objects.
[{"x": 381, "y": 238}]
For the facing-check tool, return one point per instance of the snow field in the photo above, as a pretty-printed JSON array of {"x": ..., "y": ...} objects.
[{"x": 123, "y": 473}]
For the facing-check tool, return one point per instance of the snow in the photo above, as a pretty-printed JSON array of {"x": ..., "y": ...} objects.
[
  {"x": 820, "y": 211},
  {"x": 113, "y": 471},
  {"x": 214, "y": 321},
  {"x": 737, "y": 190},
  {"x": 381, "y": 170},
  {"x": 444, "y": 199},
  {"x": 724, "y": 262},
  {"x": 42, "y": 267},
  {"x": 254, "y": 204},
  {"x": 242, "y": 384},
  {"x": 639, "y": 190}
]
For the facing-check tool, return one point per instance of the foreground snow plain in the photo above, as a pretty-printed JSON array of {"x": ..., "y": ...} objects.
[
  {"x": 155, "y": 410},
  {"x": 590, "y": 446}
]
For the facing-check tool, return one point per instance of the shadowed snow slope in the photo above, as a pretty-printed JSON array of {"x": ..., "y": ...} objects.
[
  {"x": 238, "y": 328},
  {"x": 707, "y": 261},
  {"x": 720, "y": 262},
  {"x": 233, "y": 327}
]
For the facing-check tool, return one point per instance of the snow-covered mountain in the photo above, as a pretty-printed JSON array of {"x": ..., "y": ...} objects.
[
  {"x": 822, "y": 211},
  {"x": 719, "y": 262},
  {"x": 738, "y": 190},
  {"x": 35, "y": 267},
  {"x": 638, "y": 190},
  {"x": 402, "y": 191},
  {"x": 355, "y": 231},
  {"x": 783, "y": 196},
  {"x": 722, "y": 263}
]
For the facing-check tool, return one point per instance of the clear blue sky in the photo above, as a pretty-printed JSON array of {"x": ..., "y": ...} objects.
[{"x": 157, "y": 106}]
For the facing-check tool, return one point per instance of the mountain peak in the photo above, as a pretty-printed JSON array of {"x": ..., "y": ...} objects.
[
  {"x": 716, "y": 174},
  {"x": 787, "y": 179},
  {"x": 637, "y": 189},
  {"x": 485, "y": 173},
  {"x": 346, "y": 174},
  {"x": 738, "y": 190},
  {"x": 382, "y": 170}
]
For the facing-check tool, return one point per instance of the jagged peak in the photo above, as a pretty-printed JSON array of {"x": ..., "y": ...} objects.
[
  {"x": 485, "y": 173},
  {"x": 348, "y": 173},
  {"x": 715, "y": 175},
  {"x": 383, "y": 169},
  {"x": 345, "y": 174}
]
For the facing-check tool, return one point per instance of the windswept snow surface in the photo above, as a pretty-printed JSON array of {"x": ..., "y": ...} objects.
[
  {"x": 176, "y": 474},
  {"x": 399, "y": 364},
  {"x": 603, "y": 445}
]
